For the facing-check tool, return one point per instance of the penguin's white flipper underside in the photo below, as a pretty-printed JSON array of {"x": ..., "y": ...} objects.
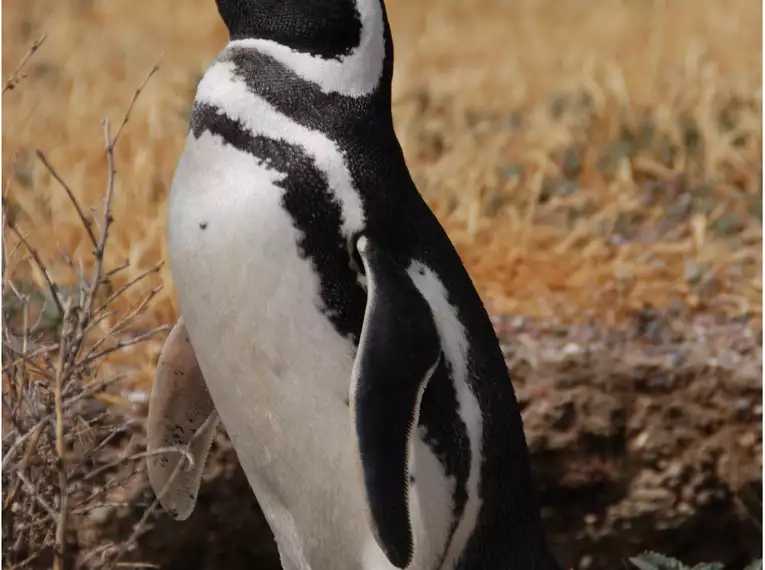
[
  {"x": 180, "y": 412},
  {"x": 399, "y": 349}
]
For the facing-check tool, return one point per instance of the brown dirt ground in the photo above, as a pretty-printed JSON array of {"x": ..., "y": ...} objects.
[{"x": 645, "y": 437}]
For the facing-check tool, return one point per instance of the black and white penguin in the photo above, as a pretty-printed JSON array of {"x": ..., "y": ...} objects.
[{"x": 335, "y": 331}]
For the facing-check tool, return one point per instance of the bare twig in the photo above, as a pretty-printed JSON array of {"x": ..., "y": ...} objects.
[
  {"x": 40, "y": 501},
  {"x": 114, "y": 483},
  {"x": 23, "y": 465},
  {"x": 137, "y": 94},
  {"x": 17, "y": 76},
  {"x": 123, "y": 321},
  {"x": 22, "y": 439},
  {"x": 87, "y": 392},
  {"x": 93, "y": 507},
  {"x": 124, "y": 344},
  {"x": 86, "y": 223},
  {"x": 58, "y": 561},
  {"x": 100, "y": 550},
  {"x": 124, "y": 265},
  {"x": 159, "y": 451},
  {"x": 154, "y": 269},
  {"x": 41, "y": 266},
  {"x": 46, "y": 394},
  {"x": 27, "y": 561},
  {"x": 138, "y": 528}
]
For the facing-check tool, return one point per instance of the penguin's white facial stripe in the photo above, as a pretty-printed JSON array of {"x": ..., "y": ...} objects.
[
  {"x": 455, "y": 346},
  {"x": 356, "y": 74},
  {"x": 221, "y": 88}
]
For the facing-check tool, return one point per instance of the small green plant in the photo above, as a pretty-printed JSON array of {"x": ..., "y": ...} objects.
[{"x": 656, "y": 561}]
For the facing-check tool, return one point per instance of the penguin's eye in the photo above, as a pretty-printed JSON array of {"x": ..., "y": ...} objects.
[{"x": 355, "y": 258}]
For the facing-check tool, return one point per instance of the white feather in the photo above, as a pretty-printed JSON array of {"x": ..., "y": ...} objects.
[
  {"x": 275, "y": 368},
  {"x": 222, "y": 88}
]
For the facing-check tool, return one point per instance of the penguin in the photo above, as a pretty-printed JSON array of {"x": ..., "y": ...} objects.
[{"x": 327, "y": 320}]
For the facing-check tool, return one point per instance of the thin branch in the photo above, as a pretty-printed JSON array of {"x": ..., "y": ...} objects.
[
  {"x": 109, "y": 274},
  {"x": 99, "y": 550},
  {"x": 160, "y": 450},
  {"x": 41, "y": 266},
  {"x": 135, "y": 98},
  {"x": 28, "y": 361},
  {"x": 31, "y": 448},
  {"x": 58, "y": 553},
  {"x": 154, "y": 269},
  {"x": 89, "y": 508},
  {"x": 123, "y": 344},
  {"x": 22, "y": 439},
  {"x": 17, "y": 77},
  {"x": 86, "y": 223},
  {"x": 112, "y": 464},
  {"x": 32, "y": 490},
  {"x": 104, "y": 442},
  {"x": 26, "y": 562},
  {"x": 122, "y": 322},
  {"x": 106, "y": 487},
  {"x": 138, "y": 528},
  {"x": 89, "y": 390}
]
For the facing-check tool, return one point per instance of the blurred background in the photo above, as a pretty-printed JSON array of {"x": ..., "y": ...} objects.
[{"x": 598, "y": 165}]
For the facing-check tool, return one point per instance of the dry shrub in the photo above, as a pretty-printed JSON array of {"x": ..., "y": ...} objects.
[{"x": 69, "y": 456}]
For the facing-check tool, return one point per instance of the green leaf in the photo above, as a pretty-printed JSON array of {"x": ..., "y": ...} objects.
[
  {"x": 643, "y": 564},
  {"x": 655, "y": 561},
  {"x": 709, "y": 566}
]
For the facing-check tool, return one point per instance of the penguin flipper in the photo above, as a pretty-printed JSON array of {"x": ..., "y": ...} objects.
[
  {"x": 399, "y": 349},
  {"x": 181, "y": 413}
]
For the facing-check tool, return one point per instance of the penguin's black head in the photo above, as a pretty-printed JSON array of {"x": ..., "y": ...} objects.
[{"x": 325, "y": 28}]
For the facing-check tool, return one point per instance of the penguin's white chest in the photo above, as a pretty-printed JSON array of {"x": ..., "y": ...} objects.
[
  {"x": 241, "y": 278},
  {"x": 277, "y": 370}
]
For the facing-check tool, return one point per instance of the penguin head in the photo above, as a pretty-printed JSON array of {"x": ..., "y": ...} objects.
[{"x": 325, "y": 28}]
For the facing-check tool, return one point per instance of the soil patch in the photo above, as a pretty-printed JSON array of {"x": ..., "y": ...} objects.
[{"x": 646, "y": 437}]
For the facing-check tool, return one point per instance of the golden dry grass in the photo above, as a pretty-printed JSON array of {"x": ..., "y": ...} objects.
[{"x": 587, "y": 158}]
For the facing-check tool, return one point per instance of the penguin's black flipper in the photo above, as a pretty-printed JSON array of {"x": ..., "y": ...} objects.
[{"x": 398, "y": 351}]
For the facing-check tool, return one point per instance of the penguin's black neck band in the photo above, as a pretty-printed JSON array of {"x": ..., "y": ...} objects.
[
  {"x": 341, "y": 47},
  {"x": 329, "y": 29}
]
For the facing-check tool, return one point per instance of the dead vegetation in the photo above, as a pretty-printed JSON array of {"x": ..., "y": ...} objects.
[
  {"x": 59, "y": 439},
  {"x": 597, "y": 166}
]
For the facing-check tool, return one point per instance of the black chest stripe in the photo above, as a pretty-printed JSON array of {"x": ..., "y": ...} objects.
[
  {"x": 302, "y": 100},
  {"x": 313, "y": 209}
]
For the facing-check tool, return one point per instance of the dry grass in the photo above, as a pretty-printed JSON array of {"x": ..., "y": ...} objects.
[{"x": 587, "y": 158}]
